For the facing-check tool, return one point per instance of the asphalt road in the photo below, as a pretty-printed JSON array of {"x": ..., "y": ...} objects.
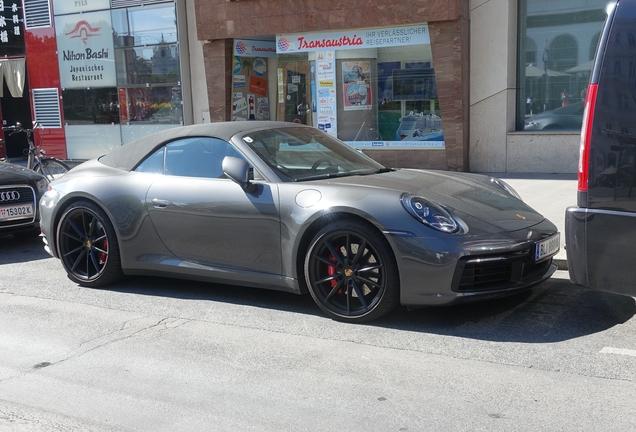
[{"x": 156, "y": 354}]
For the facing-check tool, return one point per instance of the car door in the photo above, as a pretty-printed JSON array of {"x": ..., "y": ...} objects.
[{"x": 202, "y": 216}]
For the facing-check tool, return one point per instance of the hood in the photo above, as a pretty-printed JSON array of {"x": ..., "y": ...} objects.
[
  {"x": 16, "y": 174},
  {"x": 469, "y": 196}
]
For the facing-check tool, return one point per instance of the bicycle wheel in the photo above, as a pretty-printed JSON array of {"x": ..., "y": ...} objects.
[{"x": 51, "y": 168}]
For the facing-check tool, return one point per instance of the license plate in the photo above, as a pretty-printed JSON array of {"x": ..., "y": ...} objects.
[
  {"x": 16, "y": 212},
  {"x": 547, "y": 247}
]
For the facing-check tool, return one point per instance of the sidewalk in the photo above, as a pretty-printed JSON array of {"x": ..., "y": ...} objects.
[{"x": 550, "y": 195}]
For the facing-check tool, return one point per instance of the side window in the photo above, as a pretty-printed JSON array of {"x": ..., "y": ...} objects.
[
  {"x": 198, "y": 157},
  {"x": 153, "y": 163}
]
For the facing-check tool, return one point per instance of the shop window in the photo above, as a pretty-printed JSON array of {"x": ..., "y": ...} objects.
[
  {"x": 144, "y": 26},
  {"x": 593, "y": 45},
  {"x": 364, "y": 87},
  {"x": 530, "y": 51},
  {"x": 564, "y": 52},
  {"x": 91, "y": 106},
  {"x": 551, "y": 87},
  {"x": 151, "y": 104},
  {"x": 148, "y": 64},
  {"x": 158, "y": 64}
]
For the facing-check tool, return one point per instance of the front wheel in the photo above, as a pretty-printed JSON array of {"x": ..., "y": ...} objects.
[
  {"x": 51, "y": 168},
  {"x": 88, "y": 246},
  {"x": 351, "y": 272}
]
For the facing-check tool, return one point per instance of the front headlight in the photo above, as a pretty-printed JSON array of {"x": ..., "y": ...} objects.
[
  {"x": 505, "y": 186},
  {"x": 429, "y": 213}
]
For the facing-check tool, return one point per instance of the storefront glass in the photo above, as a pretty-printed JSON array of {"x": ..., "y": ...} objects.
[
  {"x": 369, "y": 87},
  {"x": 557, "y": 43},
  {"x": 119, "y": 72}
]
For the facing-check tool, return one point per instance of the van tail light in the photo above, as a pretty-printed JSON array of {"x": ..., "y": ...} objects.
[{"x": 586, "y": 136}]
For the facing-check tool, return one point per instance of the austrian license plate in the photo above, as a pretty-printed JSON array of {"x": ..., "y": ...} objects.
[
  {"x": 16, "y": 212},
  {"x": 548, "y": 247}
]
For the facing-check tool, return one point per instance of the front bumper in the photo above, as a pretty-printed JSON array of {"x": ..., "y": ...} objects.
[{"x": 458, "y": 269}]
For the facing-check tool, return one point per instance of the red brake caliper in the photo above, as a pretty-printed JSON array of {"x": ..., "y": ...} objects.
[
  {"x": 331, "y": 270},
  {"x": 102, "y": 256}
]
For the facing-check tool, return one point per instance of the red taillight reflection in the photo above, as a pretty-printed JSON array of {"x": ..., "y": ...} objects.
[{"x": 586, "y": 136}]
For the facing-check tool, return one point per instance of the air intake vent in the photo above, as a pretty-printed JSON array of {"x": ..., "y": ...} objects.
[
  {"x": 36, "y": 14},
  {"x": 46, "y": 104},
  {"x": 130, "y": 3}
]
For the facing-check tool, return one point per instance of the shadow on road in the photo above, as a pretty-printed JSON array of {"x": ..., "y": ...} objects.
[
  {"x": 553, "y": 312},
  {"x": 16, "y": 250}
]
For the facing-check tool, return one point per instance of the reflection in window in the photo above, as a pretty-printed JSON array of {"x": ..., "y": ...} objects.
[
  {"x": 148, "y": 25},
  {"x": 158, "y": 64},
  {"x": 594, "y": 44},
  {"x": 91, "y": 106},
  {"x": 190, "y": 157},
  {"x": 148, "y": 64},
  {"x": 552, "y": 85},
  {"x": 151, "y": 104}
]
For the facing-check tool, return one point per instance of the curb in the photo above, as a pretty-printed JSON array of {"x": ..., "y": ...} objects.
[{"x": 562, "y": 264}]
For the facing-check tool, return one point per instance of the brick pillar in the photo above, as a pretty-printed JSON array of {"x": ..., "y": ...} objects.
[
  {"x": 449, "y": 43},
  {"x": 218, "y": 72}
]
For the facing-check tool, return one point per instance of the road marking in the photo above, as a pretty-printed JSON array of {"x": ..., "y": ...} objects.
[{"x": 621, "y": 351}]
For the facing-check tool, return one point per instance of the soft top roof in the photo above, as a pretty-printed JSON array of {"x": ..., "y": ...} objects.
[{"x": 129, "y": 155}]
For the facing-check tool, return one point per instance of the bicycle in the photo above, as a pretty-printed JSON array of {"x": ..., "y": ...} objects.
[{"x": 50, "y": 167}]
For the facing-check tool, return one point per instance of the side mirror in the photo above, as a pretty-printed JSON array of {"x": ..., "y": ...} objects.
[{"x": 238, "y": 170}]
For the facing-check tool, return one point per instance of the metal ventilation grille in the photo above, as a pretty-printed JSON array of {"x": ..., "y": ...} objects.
[
  {"x": 37, "y": 14},
  {"x": 131, "y": 3},
  {"x": 46, "y": 104}
]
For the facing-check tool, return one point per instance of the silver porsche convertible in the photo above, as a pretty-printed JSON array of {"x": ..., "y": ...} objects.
[{"x": 287, "y": 207}]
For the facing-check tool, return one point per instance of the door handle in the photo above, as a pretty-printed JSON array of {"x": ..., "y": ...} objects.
[{"x": 158, "y": 203}]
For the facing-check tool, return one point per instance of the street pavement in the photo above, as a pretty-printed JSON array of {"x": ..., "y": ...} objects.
[
  {"x": 550, "y": 195},
  {"x": 151, "y": 354}
]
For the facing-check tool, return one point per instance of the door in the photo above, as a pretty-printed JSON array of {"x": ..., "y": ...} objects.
[{"x": 204, "y": 217}]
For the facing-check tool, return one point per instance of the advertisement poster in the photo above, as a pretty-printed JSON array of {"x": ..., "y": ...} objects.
[
  {"x": 356, "y": 90},
  {"x": 249, "y": 84},
  {"x": 326, "y": 92},
  {"x": 85, "y": 50}
]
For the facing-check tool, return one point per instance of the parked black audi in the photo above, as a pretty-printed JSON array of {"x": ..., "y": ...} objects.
[{"x": 20, "y": 191}]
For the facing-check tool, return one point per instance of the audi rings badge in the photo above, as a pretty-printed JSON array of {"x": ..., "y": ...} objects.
[{"x": 6, "y": 196}]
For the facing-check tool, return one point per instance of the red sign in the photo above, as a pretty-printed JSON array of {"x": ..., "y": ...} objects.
[{"x": 258, "y": 86}]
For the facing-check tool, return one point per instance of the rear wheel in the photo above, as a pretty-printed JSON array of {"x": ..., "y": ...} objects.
[
  {"x": 88, "y": 245},
  {"x": 51, "y": 168},
  {"x": 351, "y": 272}
]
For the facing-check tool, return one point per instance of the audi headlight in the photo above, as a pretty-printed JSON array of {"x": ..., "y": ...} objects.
[
  {"x": 505, "y": 186},
  {"x": 42, "y": 185},
  {"x": 429, "y": 213}
]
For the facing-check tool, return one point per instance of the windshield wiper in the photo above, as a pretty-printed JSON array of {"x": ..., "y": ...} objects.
[
  {"x": 380, "y": 171},
  {"x": 325, "y": 176}
]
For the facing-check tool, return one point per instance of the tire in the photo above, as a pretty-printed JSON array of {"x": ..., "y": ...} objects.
[
  {"x": 51, "y": 168},
  {"x": 88, "y": 246},
  {"x": 351, "y": 272}
]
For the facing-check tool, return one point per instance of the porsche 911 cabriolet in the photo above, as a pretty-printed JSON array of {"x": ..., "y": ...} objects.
[{"x": 287, "y": 207}]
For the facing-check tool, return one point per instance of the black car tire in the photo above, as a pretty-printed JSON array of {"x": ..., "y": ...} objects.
[
  {"x": 351, "y": 272},
  {"x": 88, "y": 246}
]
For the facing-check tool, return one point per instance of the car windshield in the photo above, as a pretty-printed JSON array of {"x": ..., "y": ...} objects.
[{"x": 301, "y": 154}]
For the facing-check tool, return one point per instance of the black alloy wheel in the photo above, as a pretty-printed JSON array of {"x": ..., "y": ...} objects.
[
  {"x": 351, "y": 272},
  {"x": 88, "y": 245}
]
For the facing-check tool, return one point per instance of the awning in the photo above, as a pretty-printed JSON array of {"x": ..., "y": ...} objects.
[{"x": 12, "y": 70}]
